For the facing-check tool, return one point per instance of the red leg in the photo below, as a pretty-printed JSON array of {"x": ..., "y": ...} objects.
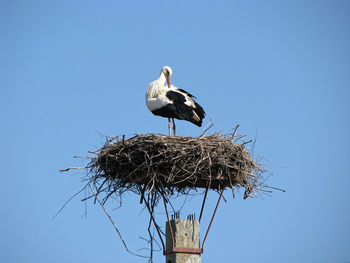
[
  {"x": 169, "y": 125},
  {"x": 174, "y": 127}
]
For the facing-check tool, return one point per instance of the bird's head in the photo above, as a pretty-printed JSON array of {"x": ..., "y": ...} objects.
[{"x": 167, "y": 71}]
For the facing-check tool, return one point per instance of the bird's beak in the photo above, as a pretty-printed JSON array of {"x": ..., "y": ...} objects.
[{"x": 168, "y": 80}]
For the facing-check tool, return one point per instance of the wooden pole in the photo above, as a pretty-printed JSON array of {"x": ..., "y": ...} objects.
[{"x": 186, "y": 248}]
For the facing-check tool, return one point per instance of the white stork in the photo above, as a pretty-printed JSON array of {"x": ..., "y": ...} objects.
[{"x": 170, "y": 102}]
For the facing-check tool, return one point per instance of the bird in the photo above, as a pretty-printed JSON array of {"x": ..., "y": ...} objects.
[{"x": 171, "y": 102}]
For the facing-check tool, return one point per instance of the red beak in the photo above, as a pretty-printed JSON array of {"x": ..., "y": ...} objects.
[{"x": 168, "y": 80}]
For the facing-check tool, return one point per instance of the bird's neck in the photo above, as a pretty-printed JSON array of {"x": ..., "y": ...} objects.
[{"x": 162, "y": 78}]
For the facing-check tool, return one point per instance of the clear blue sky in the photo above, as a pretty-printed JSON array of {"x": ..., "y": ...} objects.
[{"x": 73, "y": 69}]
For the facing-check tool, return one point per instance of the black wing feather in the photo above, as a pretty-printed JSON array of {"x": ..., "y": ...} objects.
[
  {"x": 176, "y": 97},
  {"x": 182, "y": 111},
  {"x": 188, "y": 94}
]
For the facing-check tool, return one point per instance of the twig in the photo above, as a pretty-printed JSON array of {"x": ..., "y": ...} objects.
[
  {"x": 247, "y": 142},
  {"x": 275, "y": 188},
  {"x": 114, "y": 225},
  {"x": 72, "y": 168},
  {"x": 234, "y": 133},
  {"x": 64, "y": 205},
  {"x": 99, "y": 189},
  {"x": 211, "y": 125}
]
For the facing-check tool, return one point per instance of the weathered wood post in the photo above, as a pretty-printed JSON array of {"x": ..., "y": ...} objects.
[{"x": 186, "y": 246}]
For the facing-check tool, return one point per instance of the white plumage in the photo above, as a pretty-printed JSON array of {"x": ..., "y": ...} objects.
[{"x": 171, "y": 102}]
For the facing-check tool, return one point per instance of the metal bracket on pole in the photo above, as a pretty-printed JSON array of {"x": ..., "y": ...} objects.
[
  {"x": 184, "y": 250},
  {"x": 190, "y": 250},
  {"x": 212, "y": 218},
  {"x": 203, "y": 203},
  {"x": 171, "y": 228},
  {"x": 175, "y": 249}
]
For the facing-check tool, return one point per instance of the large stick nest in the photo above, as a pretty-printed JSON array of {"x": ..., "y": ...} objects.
[
  {"x": 157, "y": 166},
  {"x": 173, "y": 165}
]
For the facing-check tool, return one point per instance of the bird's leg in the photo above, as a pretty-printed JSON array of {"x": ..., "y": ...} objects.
[
  {"x": 174, "y": 127},
  {"x": 169, "y": 125}
]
